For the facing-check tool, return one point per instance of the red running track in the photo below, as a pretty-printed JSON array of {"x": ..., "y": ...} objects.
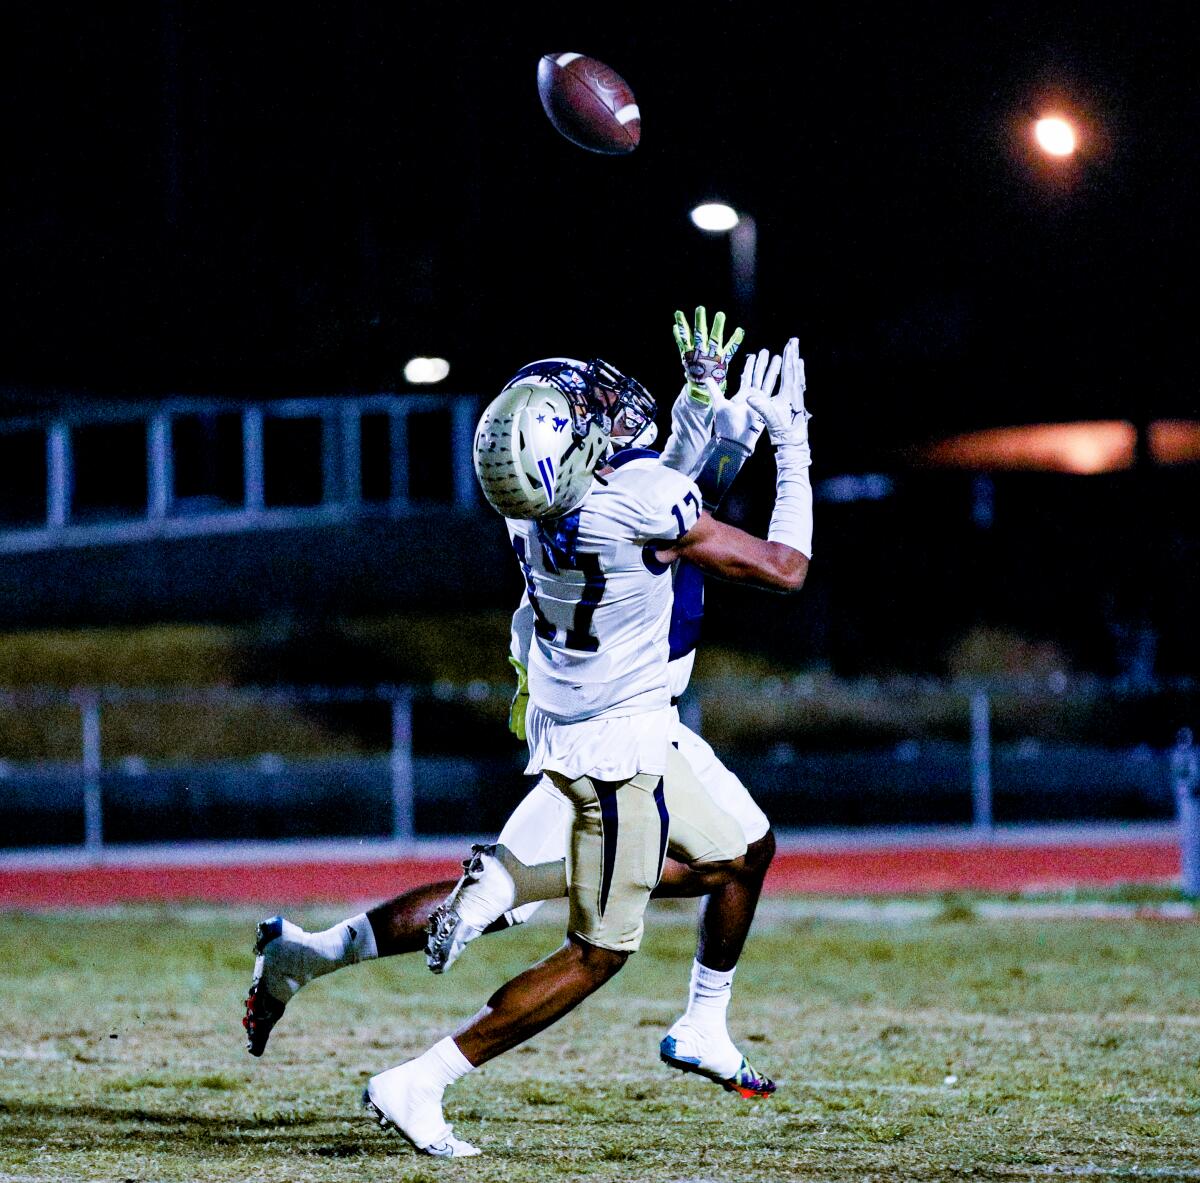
[{"x": 832, "y": 871}]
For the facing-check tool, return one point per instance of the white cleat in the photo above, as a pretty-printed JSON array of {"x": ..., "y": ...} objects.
[
  {"x": 399, "y": 1101},
  {"x": 716, "y": 1058},
  {"x": 447, "y": 935},
  {"x": 284, "y": 961},
  {"x": 484, "y": 893},
  {"x": 280, "y": 969}
]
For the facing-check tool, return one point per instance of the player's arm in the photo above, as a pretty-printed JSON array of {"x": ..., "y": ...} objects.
[
  {"x": 780, "y": 561},
  {"x": 520, "y": 635},
  {"x": 520, "y": 638},
  {"x": 691, "y": 429},
  {"x": 737, "y": 426},
  {"x": 729, "y": 553},
  {"x": 706, "y": 357}
]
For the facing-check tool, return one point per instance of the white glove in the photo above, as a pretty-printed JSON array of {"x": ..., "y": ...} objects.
[
  {"x": 736, "y": 418},
  {"x": 786, "y": 417},
  {"x": 787, "y": 421}
]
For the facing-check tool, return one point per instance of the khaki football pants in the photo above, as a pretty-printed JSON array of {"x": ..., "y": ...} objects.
[{"x": 620, "y": 835}]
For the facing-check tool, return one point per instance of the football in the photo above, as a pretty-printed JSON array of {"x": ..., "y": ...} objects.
[{"x": 589, "y": 103}]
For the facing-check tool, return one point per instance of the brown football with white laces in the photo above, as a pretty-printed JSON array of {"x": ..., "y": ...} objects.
[{"x": 589, "y": 103}]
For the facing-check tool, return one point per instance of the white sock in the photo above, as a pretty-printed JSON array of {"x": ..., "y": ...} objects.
[
  {"x": 347, "y": 943},
  {"x": 443, "y": 1064},
  {"x": 708, "y": 998},
  {"x": 410, "y": 1094}
]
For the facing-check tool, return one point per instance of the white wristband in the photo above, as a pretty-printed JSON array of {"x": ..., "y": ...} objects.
[{"x": 792, "y": 519}]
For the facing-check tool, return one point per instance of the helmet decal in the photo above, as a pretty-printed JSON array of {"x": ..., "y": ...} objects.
[
  {"x": 597, "y": 391},
  {"x": 546, "y": 468}
]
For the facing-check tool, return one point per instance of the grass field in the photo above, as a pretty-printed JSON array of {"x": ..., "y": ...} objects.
[{"x": 935, "y": 1043}]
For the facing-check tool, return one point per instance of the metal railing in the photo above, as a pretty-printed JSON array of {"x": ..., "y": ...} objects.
[
  {"x": 952, "y": 768},
  {"x": 342, "y": 483}
]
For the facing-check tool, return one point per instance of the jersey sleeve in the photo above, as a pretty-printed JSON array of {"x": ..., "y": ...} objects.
[{"x": 670, "y": 506}]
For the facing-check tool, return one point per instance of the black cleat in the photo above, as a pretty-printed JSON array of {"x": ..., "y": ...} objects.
[{"x": 263, "y": 1010}]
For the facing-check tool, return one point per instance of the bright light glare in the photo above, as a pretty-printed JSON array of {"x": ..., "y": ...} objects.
[
  {"x": 1055, "y": 136},
  {"x": 1175, "y": 441},
  {"x": 1100, "y": 446},
  {"x": 421, "y": 371},
  {"x": 715, "y": 217}
]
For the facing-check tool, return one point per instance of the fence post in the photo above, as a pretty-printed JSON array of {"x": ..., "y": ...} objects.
[
  {"x": 981, "y": 761},
  {"x": 59, "y": 474},
  {"x": 1185, "y": 777},
  {"x": 93, "y": 818},
  {"x": 253, "y": 462},
  {"x": 463, "y": 449},
  {"x": 403, "y": 829},
  {"x": 160, "y": 477}
]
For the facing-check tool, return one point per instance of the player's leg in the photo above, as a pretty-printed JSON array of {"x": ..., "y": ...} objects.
[
  {"x": 727, "y": 912},
  {"x": 505, "y": 883},
  {"x": 699, "y": 1041},
  {"x": 288, "y": 957},
  {"x": 618, "y": 841},
  {"x": 400, "y": 924},
  {"x": 408, "y": 1098},
  {"x": 502, "y": 885}
]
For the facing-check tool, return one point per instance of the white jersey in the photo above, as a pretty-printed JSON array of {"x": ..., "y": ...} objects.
[{"x": 601, "y": 602}]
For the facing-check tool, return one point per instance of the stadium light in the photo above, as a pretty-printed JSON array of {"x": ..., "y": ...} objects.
[
  {"x": 715, "y": 217},
  {"x": 1055, "y": 136},
  {"x": 423, "y": 371}
]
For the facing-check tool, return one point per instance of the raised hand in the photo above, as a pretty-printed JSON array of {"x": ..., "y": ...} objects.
[
  {"x": 736, "y": 418},
  {"x": 785, "y": 414},
  {"x": 704, "y": 352}
]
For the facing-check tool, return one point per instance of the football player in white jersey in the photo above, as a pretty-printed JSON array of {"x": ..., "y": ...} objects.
[
  {"x": 506, "y": 882},
  {"x": 595, "y": 545}
]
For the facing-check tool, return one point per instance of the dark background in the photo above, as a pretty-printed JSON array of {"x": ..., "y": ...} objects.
[{"x": 275, "y": 199}]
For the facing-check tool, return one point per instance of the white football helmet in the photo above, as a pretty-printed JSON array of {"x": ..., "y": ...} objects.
[{"x": 541, "y": 439}]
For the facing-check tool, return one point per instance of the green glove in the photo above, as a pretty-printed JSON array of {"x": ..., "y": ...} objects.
[
  {"x": 520, "y": 702},
  {"x": 704, "y": 353}
]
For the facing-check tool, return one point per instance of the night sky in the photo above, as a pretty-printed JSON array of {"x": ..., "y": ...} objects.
[
  {"x": 271, "y": 200},
  {"x": 202, "y": 198}
]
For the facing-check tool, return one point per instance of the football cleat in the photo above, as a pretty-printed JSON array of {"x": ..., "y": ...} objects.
[
  {"x": 447, "y": 935},
  {"x": 263, "y": 1009},
  {"x": 746, "y": 1081},
  {"x": 398, "y": 1103},
  {"x": 484, "y": 893}
]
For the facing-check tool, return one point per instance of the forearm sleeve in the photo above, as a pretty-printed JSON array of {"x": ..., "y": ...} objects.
[
  {"x": 691, "y": 428},
  {"x": 792, "y": 519},
  {"x": 719, "y": 462}
]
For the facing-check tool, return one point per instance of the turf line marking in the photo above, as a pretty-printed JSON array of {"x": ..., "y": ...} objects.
[
  {"x": 871, "y": 1086},
  {"x": 31, "y": 1053},
  {"x": 920, "y": 1018},
  {"x": 1089, "y": 1170}
]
